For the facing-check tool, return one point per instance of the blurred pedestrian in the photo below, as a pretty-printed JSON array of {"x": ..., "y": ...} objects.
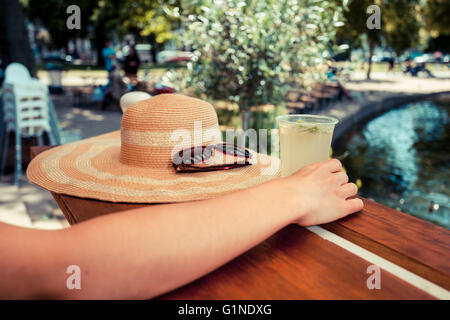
[
  {"x": 131, "y": 65},
  {"x": 391, "y": 63},
  {"x": 109, "y": 55}
]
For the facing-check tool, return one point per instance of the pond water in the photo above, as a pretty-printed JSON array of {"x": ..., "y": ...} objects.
[{"x": 403, "y": 159}]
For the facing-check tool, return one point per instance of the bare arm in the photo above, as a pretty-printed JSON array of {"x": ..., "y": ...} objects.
[{"x": 149, "y": 251}]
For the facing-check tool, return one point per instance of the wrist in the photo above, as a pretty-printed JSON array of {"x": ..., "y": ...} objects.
[{"x": 287, "y": 199}]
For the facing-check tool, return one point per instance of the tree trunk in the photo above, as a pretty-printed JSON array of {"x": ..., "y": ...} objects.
[
  {"x": 371, "y": 49},
  {"x": 154, "y": 48},
  {"x": 14, "y": 41},
  {"x": 99, "y": 41}
]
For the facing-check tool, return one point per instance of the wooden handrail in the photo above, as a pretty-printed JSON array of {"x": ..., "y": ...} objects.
[
  {"x": 296, "y": 264},
  {"x": 416, "y": 245}
]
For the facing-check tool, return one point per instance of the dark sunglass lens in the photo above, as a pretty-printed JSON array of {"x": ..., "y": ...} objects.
[
  {"x": 207, "y": 153},
  {"x": 192, "y": 155},
  {"x": 233, "y": 150}
]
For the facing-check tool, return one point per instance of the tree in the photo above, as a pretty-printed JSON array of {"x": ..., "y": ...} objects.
[
  {"x": 108, "y": 21},
  {"x": 102, "y": 20},
  {"x": 356, "y": 31},
  {"x": 14, "y": 42},
  {"x": 402, "y": 25},
  {"x": 437, "y": 23},
  {"x": 399, "y": 26},
  {"x": 155, "y": 19},
  {"x": 52, "y": 14},
  {"x": 250, "y": 51},
  {"x": 437, "y": 13},
  {"x": 98, "y": 19}
]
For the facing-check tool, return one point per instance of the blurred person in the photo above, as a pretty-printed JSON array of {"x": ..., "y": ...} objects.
[
  {"x": 421, "y": 67},
  {"x": 332, "y": 75},
  {"x": 131, "y": 65},
  {"x": 409, "y": 67},
  {"x": 109, "y": 55},
  {"x": 391, "y": 64},
  {"x": 114, "y": 77},
  {"x": 415, "y": 69}
]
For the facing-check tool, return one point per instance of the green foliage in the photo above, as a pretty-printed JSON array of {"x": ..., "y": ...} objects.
[
  {"x": 399, "y": 23},
  {"x": 159, "y": 18},
  {"x": 250, "y": 51},
  {"x": 437, "y": 17},
  {"x": 107, "y": 20},
  {"x": 107, "y": 17},
  {"x": 52, "y": 14}
]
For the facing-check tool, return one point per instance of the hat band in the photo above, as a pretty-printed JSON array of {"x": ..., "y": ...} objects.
[
  {"x": 166, "y": 139},
  {"x": 155, "y": 149}
]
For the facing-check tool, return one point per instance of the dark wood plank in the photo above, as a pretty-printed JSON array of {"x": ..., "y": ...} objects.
[
  {"x": 79, "y": 209},
  {"x": 415, "y": 244},
  {"x": 34, "y": 151},
  {"x": 296, "y": 264}
]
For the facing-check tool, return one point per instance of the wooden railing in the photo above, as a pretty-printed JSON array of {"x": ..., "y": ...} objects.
[{"x": 296, "y": 263}]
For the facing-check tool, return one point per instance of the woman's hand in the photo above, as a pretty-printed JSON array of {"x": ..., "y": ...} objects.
[{"x": 322, "y": 193}]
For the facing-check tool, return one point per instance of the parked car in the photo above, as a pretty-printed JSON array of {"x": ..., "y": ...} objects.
[
  {"x": 168, "y": 56},
  {"x": 425, "y": 58},
  {"x": 446, "y": 58},
  {"x": 382, "y": 57}
]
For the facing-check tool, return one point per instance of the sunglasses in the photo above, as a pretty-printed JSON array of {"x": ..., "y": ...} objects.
[{"x": 194, "y": 159}]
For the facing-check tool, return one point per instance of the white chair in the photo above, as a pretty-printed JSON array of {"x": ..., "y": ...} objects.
[
  {"x": 17, "y": 73},
  {"x": 25, "y": 112}
]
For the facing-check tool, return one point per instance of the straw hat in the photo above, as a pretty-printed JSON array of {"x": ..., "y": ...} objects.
[{"x": 135, "y": 163}]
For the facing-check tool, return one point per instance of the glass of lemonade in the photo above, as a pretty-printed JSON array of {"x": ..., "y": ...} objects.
[{"x": 304, "y": 139}]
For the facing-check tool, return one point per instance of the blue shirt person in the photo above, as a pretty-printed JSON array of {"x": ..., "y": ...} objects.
[{"x": 109, "y": 55}]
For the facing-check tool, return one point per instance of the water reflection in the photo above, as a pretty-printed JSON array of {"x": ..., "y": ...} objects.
[{"x": 402, "y": 158}]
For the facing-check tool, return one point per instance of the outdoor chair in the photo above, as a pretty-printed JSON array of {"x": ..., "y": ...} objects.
[
  {"x": 25, "y": 111},
  {"x": 17, "y": 73}
]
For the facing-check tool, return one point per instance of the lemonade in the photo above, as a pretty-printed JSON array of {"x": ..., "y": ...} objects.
[{"x": 304, "y": 139}]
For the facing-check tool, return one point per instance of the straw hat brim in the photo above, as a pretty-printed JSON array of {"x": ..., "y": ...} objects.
[{"x": 91, "y": 169}]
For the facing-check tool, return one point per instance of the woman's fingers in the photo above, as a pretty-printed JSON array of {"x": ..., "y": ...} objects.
[
  {"x": 341, "y": 178},
  {"x": 354, "y": 205},
  {"x": 334, "y": 165},
  {"x": 348, "y": 190}
]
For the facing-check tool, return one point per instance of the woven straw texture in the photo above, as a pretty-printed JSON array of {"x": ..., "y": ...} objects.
[{"x": 134, "y": 164}]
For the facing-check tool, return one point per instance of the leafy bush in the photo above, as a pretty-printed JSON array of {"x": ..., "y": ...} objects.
[{"x": 250, "y": 51}]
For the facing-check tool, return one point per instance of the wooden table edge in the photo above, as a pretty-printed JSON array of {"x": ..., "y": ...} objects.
[{"x": 425, "y": 269}]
